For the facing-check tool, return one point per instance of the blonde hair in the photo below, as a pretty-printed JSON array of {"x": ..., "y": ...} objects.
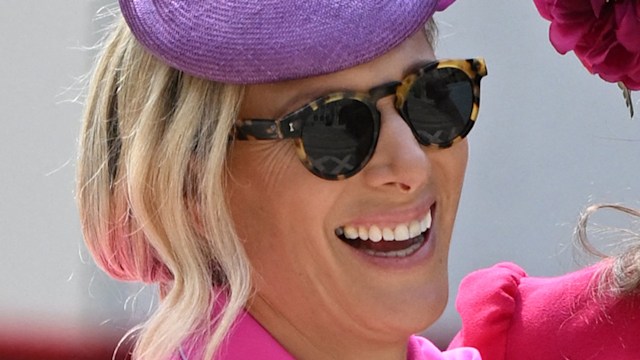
[
  {"x": 151, "y": 193},
  {"x": 430, "y": 30},
  {"x": 621, "y": 273},
  {"x": 151, "y": 185}
]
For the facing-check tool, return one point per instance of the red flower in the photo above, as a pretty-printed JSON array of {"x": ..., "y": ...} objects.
[{"x": 604, "y": 34}]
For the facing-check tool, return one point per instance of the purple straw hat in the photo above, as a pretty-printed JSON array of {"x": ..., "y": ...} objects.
[{"x": 256, "y": 41}]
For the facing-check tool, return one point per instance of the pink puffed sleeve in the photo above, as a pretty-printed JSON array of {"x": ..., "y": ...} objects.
[
  {"x": 486, "y": 303},
  {"x": 508, "y": 315}
]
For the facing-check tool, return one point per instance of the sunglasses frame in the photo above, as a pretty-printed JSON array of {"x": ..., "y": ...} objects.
[{"x": 290, "y": 125}]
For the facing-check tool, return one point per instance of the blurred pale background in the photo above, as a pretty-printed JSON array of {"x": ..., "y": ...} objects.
[{"x": 550, "y": 139}]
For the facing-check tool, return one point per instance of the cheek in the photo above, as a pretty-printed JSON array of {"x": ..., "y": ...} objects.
[
  {"x": 254, "y": 170},
  {"x": 280, "y": 212},
  {"x": 260, "y": 165},
  {"x": 270, "y": 193},
  {"x": 449, "y": 166}
]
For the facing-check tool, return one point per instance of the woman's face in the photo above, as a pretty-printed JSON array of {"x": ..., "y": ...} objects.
[{"x": 313, "y": 289}]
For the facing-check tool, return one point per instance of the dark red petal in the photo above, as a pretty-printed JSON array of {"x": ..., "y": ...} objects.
[
  {"x": 544, "y": 8},
  {"x": 628, "y": 25}
]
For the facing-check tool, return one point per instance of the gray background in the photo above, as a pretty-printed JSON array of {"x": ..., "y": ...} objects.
[{"x": 550, "y": 139}]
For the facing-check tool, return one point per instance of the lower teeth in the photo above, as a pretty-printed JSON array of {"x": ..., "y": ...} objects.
[{"x": 416, "y": 243}]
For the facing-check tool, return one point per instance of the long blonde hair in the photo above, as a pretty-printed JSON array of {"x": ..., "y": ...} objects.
[
  {"x": 151, "y": 193},
  {"x": 151, "y": 185},
  {"x": 621, "y": 273}
]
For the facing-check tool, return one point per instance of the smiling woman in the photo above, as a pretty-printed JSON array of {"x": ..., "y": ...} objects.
[
  {"x": 381, "y": 285},
  {"x": 327, "y": 234}
]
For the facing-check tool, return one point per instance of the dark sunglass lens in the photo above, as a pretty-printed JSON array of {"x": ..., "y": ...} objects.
[
  {"x": 439, "y": 106},
  {"x": 338, "y": 137}
]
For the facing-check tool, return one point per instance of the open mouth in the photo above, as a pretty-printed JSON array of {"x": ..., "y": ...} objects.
[{"x": 400, "y": 241}]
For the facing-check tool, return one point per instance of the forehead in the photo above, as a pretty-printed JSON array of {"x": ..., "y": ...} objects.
[{"x": 273, "y": 100}]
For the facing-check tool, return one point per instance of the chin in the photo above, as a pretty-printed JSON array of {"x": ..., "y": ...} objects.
[{"x": 404, "y": 313}]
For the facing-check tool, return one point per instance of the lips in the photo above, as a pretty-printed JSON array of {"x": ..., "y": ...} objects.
[{"x": 400, "y": 240}]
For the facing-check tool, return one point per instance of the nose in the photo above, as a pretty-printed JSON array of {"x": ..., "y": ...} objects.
[{"x": 399, "y": 162}]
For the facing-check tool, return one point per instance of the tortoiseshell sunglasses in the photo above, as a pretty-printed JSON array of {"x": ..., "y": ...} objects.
[{"x": 336, "y": 135}]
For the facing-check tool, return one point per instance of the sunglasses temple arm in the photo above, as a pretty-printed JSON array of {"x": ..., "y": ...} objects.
[
  {"x": 267, "y": 129},
  {"x": 258, "y": 129}
]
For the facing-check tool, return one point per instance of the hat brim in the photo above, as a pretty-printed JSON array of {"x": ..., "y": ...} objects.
[{"x": 257, "y": 41}]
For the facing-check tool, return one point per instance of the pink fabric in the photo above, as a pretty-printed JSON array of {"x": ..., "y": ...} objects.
[
  {"x": 510, "y": 316},
  {"x": 422, "y": 349},
  {"x": 249, "y": 340}
]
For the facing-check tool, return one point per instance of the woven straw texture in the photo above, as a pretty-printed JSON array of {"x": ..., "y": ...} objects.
[{"x": 256, "y": 41}]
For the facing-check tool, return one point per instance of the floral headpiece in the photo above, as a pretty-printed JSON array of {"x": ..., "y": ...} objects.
[{"x": 604, "y": 35}]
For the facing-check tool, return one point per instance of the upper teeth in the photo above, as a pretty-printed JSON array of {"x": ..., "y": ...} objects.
[{"x": 400, "y": 232}]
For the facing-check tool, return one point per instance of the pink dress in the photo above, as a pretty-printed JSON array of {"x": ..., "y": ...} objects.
[
  {"x": 249, "y": 340},
  {"x": 508, "y": 315}
]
